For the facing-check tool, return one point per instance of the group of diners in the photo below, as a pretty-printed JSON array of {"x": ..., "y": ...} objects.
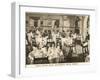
[{"x": 54, "y": 46}]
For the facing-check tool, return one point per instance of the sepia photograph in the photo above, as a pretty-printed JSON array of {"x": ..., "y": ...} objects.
[{"x": 52, "y": 38}]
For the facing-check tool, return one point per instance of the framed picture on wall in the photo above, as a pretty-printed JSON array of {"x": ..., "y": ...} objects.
[{"x": 50, "y": 40}]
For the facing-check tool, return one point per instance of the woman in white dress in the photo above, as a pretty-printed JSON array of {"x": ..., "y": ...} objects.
[
  {"x": 32, "y": 55},
  {"x": 44, "y": 52},
  {"x": 60, "y": 53},
  {"x": 53, "y": 56}
]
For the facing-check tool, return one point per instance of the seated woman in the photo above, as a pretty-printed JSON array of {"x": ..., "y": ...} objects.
[
  {"x": 60, "y": 53},
  {"x": 53, "y": 56},
  {"x": 31, "y": 55},
  {"x": 44, "y": 51},
  {"x": 78, "y": 49}
]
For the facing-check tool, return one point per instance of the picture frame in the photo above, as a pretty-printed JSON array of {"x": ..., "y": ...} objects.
[{"x": 20, "y": 11}]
